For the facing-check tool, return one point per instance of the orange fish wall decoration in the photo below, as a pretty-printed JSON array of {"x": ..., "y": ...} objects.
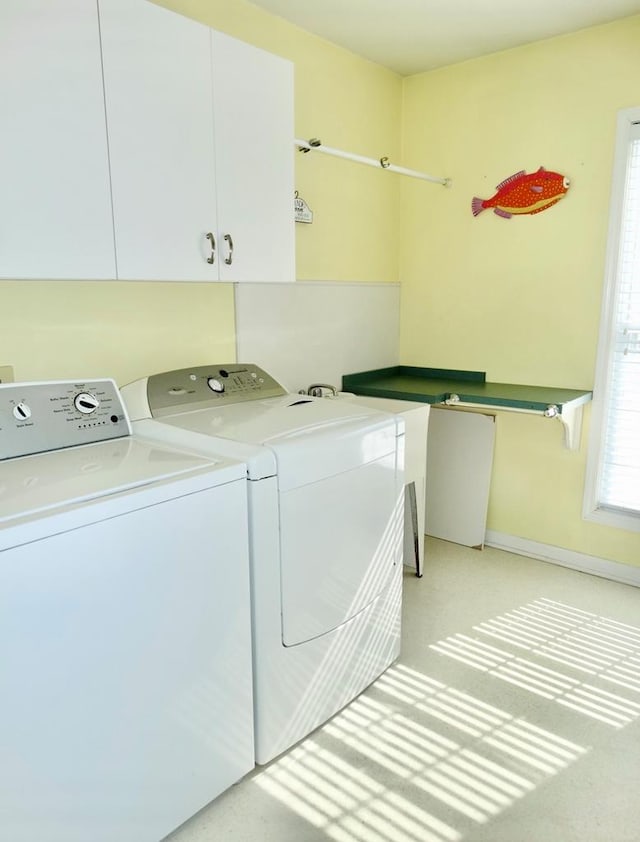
[{"x": 524, "y": 194}]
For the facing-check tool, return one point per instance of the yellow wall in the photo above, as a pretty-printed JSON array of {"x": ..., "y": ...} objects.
[
  {"x": 519, "y": 298},
  {"x": 126, "y": 330}
]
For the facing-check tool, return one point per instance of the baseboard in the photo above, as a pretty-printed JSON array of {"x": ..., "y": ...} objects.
[{"x": 613, "y": 570}]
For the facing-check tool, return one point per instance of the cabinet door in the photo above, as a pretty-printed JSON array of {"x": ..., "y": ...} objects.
[
  {"x": 55, "y": 210},
  {"x": 157, "y": 71},
  {"x": 253, "y": 110}
]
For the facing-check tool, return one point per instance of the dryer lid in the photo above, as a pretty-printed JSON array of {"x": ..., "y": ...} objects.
[
  {"x": 311, "y": 438},
  {"x": 264, "y": 422}
]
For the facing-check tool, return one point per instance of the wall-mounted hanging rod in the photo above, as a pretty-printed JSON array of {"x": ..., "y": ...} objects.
[{"x": 317, "y": 146}]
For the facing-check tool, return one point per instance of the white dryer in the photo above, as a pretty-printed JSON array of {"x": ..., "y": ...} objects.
[
  {"x": 326, "y": 526},
  {"x": 125, "y": 642}
]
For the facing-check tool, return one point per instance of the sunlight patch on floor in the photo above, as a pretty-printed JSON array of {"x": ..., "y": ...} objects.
[
  {"x": 579, "y": 641},
  {"x": 494, "y": 760}
]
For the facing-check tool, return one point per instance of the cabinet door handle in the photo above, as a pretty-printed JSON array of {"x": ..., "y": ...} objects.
[
  {"x": 212, "y": 240},
  {"x": 229, "y": 259}
]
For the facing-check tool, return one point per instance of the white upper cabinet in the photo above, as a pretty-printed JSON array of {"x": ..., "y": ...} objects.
[
  {"x": 55, "y": 210},
  {"x": 253, "y": 97},
  {"x": 200, "y": 131},
  {"x": 157, "y": 77}
]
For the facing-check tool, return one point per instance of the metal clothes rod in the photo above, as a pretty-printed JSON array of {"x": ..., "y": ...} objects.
[{"x": 316, "y": 145}]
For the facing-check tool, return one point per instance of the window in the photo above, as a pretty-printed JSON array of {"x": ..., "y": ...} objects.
[{"x": 612, "y": 494}]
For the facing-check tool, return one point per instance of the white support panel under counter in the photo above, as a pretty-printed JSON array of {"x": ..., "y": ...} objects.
[{"x": 459, "y": 463}]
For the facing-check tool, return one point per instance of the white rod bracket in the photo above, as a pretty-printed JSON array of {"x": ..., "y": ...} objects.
[
  {"x": 316, "y": 145},
  {"x": 570, "y": 417}
]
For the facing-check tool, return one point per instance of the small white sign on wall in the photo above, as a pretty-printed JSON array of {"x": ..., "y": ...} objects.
[{"x": 302, "y": 211}]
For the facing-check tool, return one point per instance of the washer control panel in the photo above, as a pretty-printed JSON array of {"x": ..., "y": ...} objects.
[
  {"x": 36, "y": 417},
  {"x": 209, "y": 385}
]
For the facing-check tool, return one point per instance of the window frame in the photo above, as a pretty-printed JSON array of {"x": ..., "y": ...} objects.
[{"x": 627, "y": 121}]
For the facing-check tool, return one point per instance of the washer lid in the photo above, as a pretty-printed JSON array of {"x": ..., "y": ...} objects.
[{"x": 47, "y": 481}]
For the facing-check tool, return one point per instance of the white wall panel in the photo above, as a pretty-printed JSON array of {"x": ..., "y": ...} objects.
[{"x": 314, "y": 331}]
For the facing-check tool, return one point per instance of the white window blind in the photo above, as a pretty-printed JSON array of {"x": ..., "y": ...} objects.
[
  {"x": 613, "y": 484},
  {"x": 620, "y": 476}
]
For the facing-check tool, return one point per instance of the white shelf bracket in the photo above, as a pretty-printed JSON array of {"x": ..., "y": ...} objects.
[{"x": 571, "y": 420}]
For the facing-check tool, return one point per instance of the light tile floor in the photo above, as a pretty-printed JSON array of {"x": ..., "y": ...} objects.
[{"x": 513, "y": 715}]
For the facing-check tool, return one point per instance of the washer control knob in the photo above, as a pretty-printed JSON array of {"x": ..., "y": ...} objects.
[
  {"x": 86, "y": 403},
  {"x": 22, "y": 411},
  {"x": 215, "y": 385}
]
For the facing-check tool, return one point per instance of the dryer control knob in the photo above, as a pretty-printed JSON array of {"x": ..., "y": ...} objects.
[
  {"x": 86, "y": 403},
  {"x": 22, "y": 411},
  {"x": 215, "y": 385}
]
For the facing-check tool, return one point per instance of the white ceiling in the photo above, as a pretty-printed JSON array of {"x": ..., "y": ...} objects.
[{"x": 410, "y": 36}]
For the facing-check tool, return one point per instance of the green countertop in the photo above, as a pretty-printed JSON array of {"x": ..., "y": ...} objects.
[{"x": 437, "y": 385}]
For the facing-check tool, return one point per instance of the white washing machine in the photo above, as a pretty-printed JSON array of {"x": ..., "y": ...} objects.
[
  {"x": 125, "y": 642},
  {"x": 326, "y": 529}
]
